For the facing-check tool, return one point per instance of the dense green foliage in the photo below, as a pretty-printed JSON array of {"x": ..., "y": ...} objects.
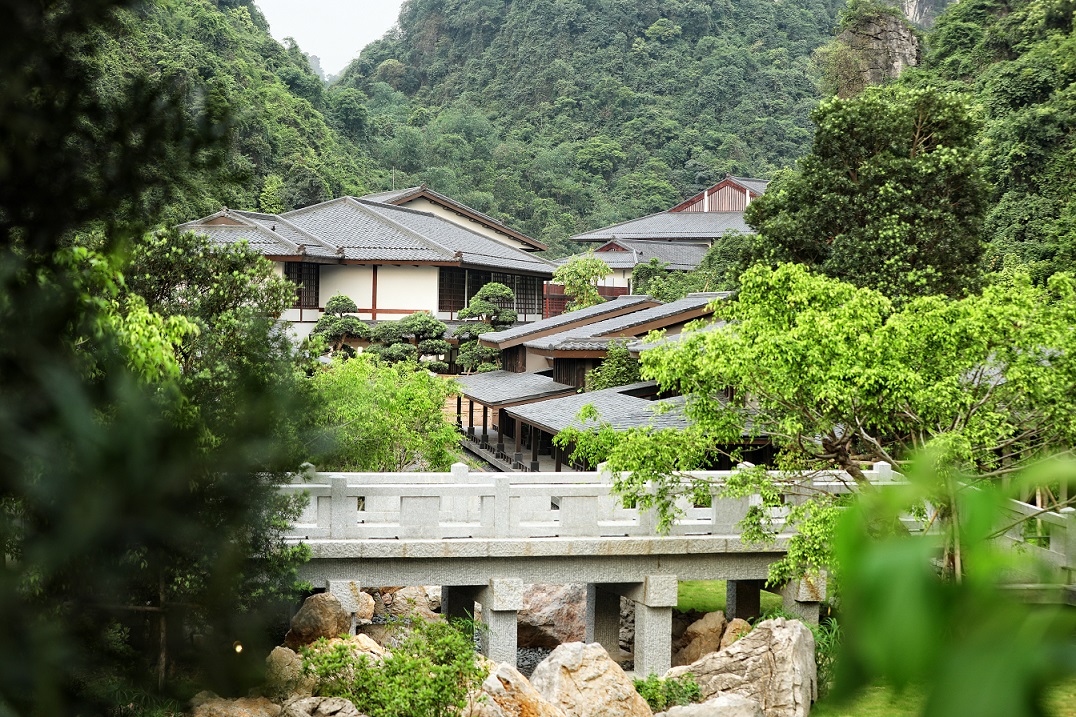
[
  {"x": 1017, "y": 58},
  {"x": 289, "y": 141},
  {"x": 962, "y": 630},
  {"x": 565, "y": 115},
  {"x": 129, "y": 482},
  {"x": 890, "y": 196},
  {"x": 580, "y": 276},
  {"x": 618, "y": 368},
  {"x": 661, "y": 694},
  {"x": 380, "y": 416},
  {"x": 432, "y": 672}
]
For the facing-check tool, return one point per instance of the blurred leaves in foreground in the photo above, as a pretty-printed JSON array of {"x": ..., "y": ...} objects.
[{"x": 908, "y": 620}]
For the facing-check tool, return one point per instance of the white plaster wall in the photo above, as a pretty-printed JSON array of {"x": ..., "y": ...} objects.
[
  {"x": 619, "y": 277},
  {"x": 425, "y": 205},
  {"x": 536, "y": 363},
  {"x": 352, "y": 280},
  {"x": 410, "y": 288}
]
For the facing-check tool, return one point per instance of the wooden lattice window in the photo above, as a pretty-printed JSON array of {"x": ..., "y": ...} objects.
[
  {"x": 307, "y": 280},
  {"x": 452, "y": 289},
  {"x": 529, "y": 295}
]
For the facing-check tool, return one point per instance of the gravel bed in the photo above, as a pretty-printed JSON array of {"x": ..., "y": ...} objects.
[{"x": 527, "y": 658}]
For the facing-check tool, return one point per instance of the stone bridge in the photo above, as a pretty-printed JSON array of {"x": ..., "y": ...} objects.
[{"x": 484, "y": 537}]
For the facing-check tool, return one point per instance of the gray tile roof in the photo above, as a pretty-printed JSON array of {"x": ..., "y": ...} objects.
[
  {"x": 361, "y": 230},
  {"x": 615, "y": 406},
  {"x": 497, "y": 388},
  {"x": 401, "y": 196},
  {"x": 755, "y": 185},
  {"x": 597, "y": 335},
  {"x": 679, "y": 255},
  {"x": 637, "y": 347},
  {"x": 672, "y": 225},
  {"x": 476, "y": 249},
  {"x": 592, "y": 313}
]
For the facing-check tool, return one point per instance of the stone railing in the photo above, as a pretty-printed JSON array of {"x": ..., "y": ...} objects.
[{"x": 464, "y": 504}]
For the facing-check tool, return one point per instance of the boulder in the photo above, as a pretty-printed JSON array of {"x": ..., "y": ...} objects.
[
  {"x": 701, "y": 638},
  {"x": 507, "y": 693},
  {"x": 387, "y": 635},
  {"x": 320, "y": 707},
  {"x": 773, "y": 665},
  {"x": 736, "y": 629},
  {"x": 284, "y": 676},
  {"x": 413, "y": 601},
  {"x": 206, "y": 705},
  {"x": 585, "y": 682},
  {"x": 320, "y": 616},
  {"x": 357, "y": 645},
  {"x": 365, "y": 613},
  {"x": 552, "y": 615},
  {"x": 627, "y": 624},
  {"x": 724, "y": 705}
]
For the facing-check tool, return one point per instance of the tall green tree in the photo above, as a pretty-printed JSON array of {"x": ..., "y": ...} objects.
[
  {"x": 379, "y": 416},
  {"x": 580, "y": 276},
  {"x": 111, "y": 502},
  {"x": 890, "y": 197}
]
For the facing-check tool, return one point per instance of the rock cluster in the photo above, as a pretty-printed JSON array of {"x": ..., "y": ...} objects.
[
  {"x": 707, "y": 634},
  {"x": 585, "y": 682},
  {"x": 770, "y": 672},
  {"x": 772, "y": 665}
]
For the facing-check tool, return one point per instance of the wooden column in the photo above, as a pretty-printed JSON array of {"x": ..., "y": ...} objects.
[
  {"x": 536, "y": 441},
  {"x": 470, "y": 418},
  {"x": 485, "y": 426},
  {"x": 517, "y": 459},
  {"x": 459, "y": 412},
  {"x": 501, "y": 418},
  {"x": 556, "y": 458}
]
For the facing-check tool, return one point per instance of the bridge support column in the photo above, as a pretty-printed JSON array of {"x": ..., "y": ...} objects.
[
  {"x": 654, "y": 600},
  {"x": 803, "y": 597},
  {"x": 501, "y": 600},
  {"x": 742, "y": 599},
  {"x": 347, "y": 592},
  {"x": 603, "y": 619}
]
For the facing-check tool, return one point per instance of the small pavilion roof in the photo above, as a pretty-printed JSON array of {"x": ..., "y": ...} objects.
[
  {"x": 498, "y": 389},
  {"x": 622, "y": 407}
]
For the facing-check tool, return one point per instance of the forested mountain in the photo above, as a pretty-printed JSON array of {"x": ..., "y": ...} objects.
[
  {"x": 563, "y": 115},
  {"x": 288, "y": 133},
  {"x": 1018, "y": 59}
]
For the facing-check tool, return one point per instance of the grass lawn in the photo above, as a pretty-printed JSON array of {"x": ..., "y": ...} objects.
[
  {"x": 883, "y": 702},
  {"x": 709, "y": 596}
]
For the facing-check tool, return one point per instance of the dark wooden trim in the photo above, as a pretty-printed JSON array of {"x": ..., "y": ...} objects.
[{"x": 373, "y": 296}]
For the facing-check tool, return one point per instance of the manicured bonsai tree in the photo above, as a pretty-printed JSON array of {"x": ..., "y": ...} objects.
[
  {"x": 338, "y": 328},
  {"x": 486, "y": 312}
]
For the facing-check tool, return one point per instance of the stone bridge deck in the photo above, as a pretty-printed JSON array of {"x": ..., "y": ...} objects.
[{"x": 484, "y": 536}]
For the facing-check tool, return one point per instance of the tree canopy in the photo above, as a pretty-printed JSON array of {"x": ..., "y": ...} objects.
[{"x": 890, "y": 196}]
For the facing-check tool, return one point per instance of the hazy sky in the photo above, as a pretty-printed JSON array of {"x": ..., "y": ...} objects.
[{"x": 334, "y": 30}]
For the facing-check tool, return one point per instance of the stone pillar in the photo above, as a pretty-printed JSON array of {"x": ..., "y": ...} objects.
[
  {"x": 347, "y": 592},
  {"x": 653, "y": 640},
  {"x": 803, "y": 598},
  {"x": 501, "y": 600},
  {"x": 654, "y": 599},
  {"x": 603, "y": 619},
  {"x": 742, "y": 599}
]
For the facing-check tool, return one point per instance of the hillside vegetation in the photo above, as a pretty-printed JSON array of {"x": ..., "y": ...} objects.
[
  {"x": 287, "y": 133},
  {"x": 564, "y": 115}
]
